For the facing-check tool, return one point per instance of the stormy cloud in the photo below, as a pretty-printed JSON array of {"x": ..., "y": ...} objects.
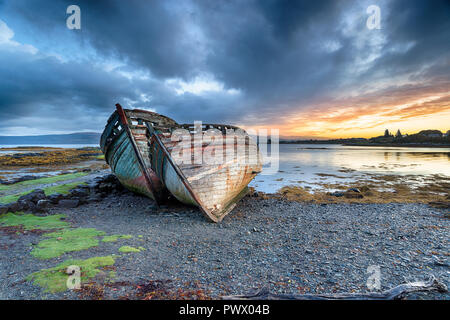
[{"x": 251, "y": 63}]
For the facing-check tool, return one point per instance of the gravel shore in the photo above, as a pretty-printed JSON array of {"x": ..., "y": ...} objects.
[{"x": 292, "y": 247}]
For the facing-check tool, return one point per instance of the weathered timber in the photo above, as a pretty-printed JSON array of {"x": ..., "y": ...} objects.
[
  {"x": 138, "y": 146},
  {"x": 213, "y": 186},
  {"x": 396, "y": 293},
  {"x": 179, "y": 173},
  {"x": 141, "y": 161}
]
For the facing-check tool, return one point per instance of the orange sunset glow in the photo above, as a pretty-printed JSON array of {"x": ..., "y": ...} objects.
[{"x": 361, "y": 118}]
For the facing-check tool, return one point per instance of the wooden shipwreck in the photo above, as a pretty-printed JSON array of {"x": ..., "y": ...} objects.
[{"x": 205, "y": 165}]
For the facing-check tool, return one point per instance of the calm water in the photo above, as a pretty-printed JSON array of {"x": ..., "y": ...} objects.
[
  {"x": 41, "y": 145},
  {"x": 307, "y": 164},
  {"x": 310, "y": 165}
]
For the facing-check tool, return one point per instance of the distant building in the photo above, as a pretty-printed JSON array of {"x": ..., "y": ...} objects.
[
  {"x": 447, "y": 134},
  {"x": 431, "y": 133}
]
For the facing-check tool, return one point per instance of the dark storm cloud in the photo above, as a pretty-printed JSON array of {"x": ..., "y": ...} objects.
[{"x": 279, "y": 55}]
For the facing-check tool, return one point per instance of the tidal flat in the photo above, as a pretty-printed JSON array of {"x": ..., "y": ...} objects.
[{"x": 296, "y": 240}]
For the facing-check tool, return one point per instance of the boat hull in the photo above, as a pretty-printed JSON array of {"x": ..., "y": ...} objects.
[
  {"x": 125, "y": 146},
  {"x": 142, "y": 150},
  {"x": 213, "y": 186},
  {"x": 125, "y": 165}
]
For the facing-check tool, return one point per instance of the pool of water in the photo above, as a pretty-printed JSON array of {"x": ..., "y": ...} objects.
[{"x": 310, "y": 165}]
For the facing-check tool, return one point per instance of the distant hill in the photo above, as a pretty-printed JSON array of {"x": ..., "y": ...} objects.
[{"x": 71, "y": 138}]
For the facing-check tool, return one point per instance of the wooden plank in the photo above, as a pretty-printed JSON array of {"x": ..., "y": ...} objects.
[
  {"x": 180, "y": 174},
  {"x": 141, "y": 161}
]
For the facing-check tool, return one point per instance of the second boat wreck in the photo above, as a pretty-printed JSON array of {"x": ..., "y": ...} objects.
[{"x": 205, "y": 165}]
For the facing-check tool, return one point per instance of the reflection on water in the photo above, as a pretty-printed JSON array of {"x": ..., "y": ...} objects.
[
  {"x": 308, "y": 165},
  {"x": 4, "y": 147}
]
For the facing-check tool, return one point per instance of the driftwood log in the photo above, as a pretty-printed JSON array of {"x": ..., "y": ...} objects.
[{"x": 398, "y": 292}]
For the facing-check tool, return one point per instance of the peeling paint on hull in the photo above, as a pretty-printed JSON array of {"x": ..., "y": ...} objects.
[{"x": 137, "y": 146}]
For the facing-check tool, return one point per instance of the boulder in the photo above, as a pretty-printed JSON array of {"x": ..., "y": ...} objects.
[
  {"x": 68, "y": 203},
  {"x": 43, "y": 205},
  {"x": 336, "y": 194},
  {"x": 54, "y": 198},
  {"x": 4, "y": 208},
  {"x": 14, "y": 207},
  {"x": 33, "y": 196},
  {"x": 26, "y": 205},
  {"x": 353, "y": 195},
  {"x": 79, "y": 192}
]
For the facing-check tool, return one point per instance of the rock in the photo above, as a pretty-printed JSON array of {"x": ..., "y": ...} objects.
[
  {"x": 54, "y": 198},
  {"x": 26, "y": 205},
  {"x": 364, "y": 189},
  {"x": 79, "y": 192},
  {"x": 20, "y": 179},
  {"x": 110, "y": 178},
  {"x": 4, "y": 208},
  {"x": 353, "y": 190},
  {"x": 336, "y": 194},
  {"x": 14, "y": 207},
  {"x": 33, "y": 196},
  {"x": 42, "y": 205},
  {"x": 103, "y": 186},
  {"x": 94, "y": 198},
  {"x": 353, "y": 195},
  {"x": 68, "y": 203}
]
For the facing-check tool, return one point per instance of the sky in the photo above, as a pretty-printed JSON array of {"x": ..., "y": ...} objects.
[{"x": 312, "y": 69}]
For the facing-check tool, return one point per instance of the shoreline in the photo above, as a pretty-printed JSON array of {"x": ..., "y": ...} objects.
[
  {"x": 174, "y": 253},
  {"x": 413, "y": 145}
]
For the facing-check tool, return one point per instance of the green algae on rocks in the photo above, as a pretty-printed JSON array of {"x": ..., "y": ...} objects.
[
  {"x": 55, "y": 279},
  {"x": 66, "y": 240},
  {"x": 127, "y": 249},
  {"x": 13, "y": 197},
  {"x": 46, "y": 180},
  {"x": 31, "y": 222},
  {"x": 114, "y": 238},
  {"x": 62, "y": 188}
]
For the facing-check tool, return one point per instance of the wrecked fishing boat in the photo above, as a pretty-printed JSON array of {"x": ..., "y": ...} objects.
[
  {"x": 205, "y": 165},
  {"x": 125, "y": 146}
]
